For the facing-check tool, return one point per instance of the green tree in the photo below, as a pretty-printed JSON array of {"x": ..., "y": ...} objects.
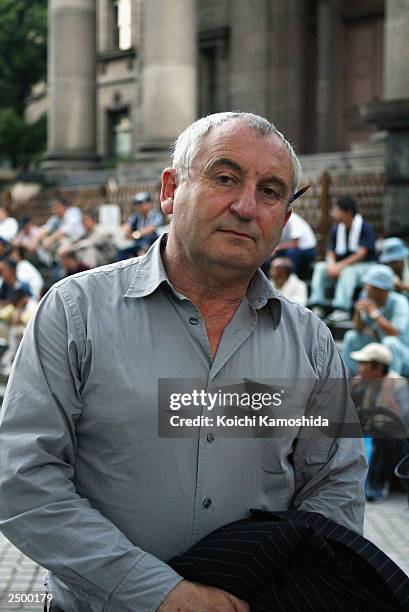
[{"x": 23, "y": 63}]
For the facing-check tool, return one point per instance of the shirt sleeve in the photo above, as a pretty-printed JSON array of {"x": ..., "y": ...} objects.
[
  {"x": 72, "y": 223},
  {"x": 330, "y": 471},
  {"x": 367, "y": 237},
  {"x": 40, "y": 509},
  {"x": 156, "y": 218},
  {"x": 400, "y": 314}
]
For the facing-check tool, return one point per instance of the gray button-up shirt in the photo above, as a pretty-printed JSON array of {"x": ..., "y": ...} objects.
[{"x": 91, "y": 492}]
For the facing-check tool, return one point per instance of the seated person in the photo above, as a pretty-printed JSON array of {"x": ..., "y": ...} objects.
[
  {"x": 64, "y": 223},
  {"x": 12, "y": 292},
  {"x": 8, "y": 225},
  {"x": 351, "y": 251},
  {"x": 376, "y": 386},
  {"x": 396, "y": 255},
  {"x": 141, "y": 226},
  {"x": 15, "y": 315},
  {"x": 26, "y": 272},
  {"x": 70, "y": 264},
  {"x": 298, "y": 242},
  {"x": 10, "y": 283},
  {"x": 380, "y": 315},
  {"x": 5, "y": 248},
  {"x": 286, "y": 282},
  {"x": 95, "y": 247}
]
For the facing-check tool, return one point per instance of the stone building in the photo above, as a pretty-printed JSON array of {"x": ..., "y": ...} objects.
[{"x": 126, "y": 76}]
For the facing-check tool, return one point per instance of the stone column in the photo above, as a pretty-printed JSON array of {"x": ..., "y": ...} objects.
[
  {"x": 284, "y": 31},
  {"x": 328, "y": 74},
  {"x": 71, "y": 84},
  {"x": 169, "y": 101},
  {"x": 392, "y": 115}
]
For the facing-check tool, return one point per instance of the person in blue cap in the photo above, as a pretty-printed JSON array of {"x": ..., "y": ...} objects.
[
  {"x": 141, "y": 226},
  {"x": 396, "y": 255},
  {"x": 380, "y": 315}
]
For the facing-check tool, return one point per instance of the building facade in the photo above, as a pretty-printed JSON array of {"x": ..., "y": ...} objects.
[
  {"x": 126, "y": 76},
  {"x": 116, "y": 65}
]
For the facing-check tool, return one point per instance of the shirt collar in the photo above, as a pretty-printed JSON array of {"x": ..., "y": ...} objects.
[{"x": 150, "y": 274}]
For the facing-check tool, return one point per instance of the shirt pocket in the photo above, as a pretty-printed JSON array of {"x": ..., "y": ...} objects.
[{"x": 271, "y": 455}]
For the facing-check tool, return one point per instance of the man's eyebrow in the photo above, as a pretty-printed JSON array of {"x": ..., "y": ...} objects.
[{"x": 224, "y": 161}]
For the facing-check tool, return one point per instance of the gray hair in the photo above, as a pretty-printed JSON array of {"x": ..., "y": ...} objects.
[{"x": 185, "y": 148}]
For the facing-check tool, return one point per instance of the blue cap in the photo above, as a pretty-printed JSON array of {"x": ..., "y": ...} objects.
[
  {"x": 380, "y": 276},
  {"x": 393, "y": 249}
]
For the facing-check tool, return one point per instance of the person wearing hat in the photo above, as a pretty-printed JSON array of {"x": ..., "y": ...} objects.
[
  {"x": 381, "y": 315},
  {"x": 396, "y": 255},
  {"x": 141, "y": 226},
  {"x": 377, "y": 386}
]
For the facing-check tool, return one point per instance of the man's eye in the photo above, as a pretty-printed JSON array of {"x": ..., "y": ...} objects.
[
  {"x": 270, "y": 192},
  {"x": 225, "y": 179}
]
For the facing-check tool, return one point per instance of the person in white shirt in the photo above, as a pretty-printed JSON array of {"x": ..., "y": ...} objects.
[
  {"x": 26, "y": 272},
  {"x": 8, "y": 225},
  {"x": 298, "y": 242},
  {"x": 287, "y": 282}
]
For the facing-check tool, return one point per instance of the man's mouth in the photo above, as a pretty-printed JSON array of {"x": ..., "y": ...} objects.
[{"x": 237, "y": 233}]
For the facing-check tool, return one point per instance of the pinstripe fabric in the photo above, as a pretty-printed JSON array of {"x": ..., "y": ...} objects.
[{"x": 296, "y": 561}]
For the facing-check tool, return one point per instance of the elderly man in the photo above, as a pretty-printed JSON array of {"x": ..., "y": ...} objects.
[
  {"x": 88, "y": 489},
  {"x": 287, "y": 282},
  {"x": 380, "y": 315}
]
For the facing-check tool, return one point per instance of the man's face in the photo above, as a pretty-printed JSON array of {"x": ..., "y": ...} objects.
[
  {"x": 397, "y": 266},
  {"x": 369, "y": 371},
  {"x": 7, "y": 274},
  {"x": 144, "y": 208},
  {"x": 278, "y": 274},
  {"x": 232, "y": 208},
  {"x": 57, "y": 208},
  {"x": 342, "y": 216},
  {"x": 88, "y": 222},
  {"x": 377, "y": 295}
]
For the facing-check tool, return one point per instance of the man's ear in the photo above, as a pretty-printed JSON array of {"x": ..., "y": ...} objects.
[
  {"x": 168, "y": 188},
  {"x": 287, "y": 216}
]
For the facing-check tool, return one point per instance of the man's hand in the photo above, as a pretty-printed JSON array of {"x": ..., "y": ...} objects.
[
  {"x": 193, "y": 597},
  {"x": 334, "y": 269},
  {"x": 367, "y": 305}
]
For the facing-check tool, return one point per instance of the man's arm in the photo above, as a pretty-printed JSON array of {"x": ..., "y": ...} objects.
[
  {"x": 40, "y": 509},
  {"x": 330, "y": 472},
  {"x": 336, "y": 267}
]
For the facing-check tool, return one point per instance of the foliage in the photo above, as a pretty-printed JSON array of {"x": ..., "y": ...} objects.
[{"x": 23, "y": 63}]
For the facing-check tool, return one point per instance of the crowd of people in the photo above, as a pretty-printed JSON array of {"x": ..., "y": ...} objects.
[
  {"x": 370, "y": 289},
  {"x": 353, "y": 282},
  {"x": 32, "y": 257}
]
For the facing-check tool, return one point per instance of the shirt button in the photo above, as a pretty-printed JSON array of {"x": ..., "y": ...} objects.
[
  {"x": 210, "y": 437},
  {"x": 207, "y": 503},
  {"x": 193, "y": 321}
]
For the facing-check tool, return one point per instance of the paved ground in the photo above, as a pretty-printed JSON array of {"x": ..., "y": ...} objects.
[{"x": 386, "y": 524}]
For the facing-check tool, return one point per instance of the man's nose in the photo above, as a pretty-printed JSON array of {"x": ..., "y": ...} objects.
[{"x": 245, "y": 206}]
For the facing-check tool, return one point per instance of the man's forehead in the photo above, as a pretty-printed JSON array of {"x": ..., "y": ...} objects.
[{"x": 231, "y": 140}]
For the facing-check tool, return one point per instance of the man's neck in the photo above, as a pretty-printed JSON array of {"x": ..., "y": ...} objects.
[{"x": 210, "y": 290}]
